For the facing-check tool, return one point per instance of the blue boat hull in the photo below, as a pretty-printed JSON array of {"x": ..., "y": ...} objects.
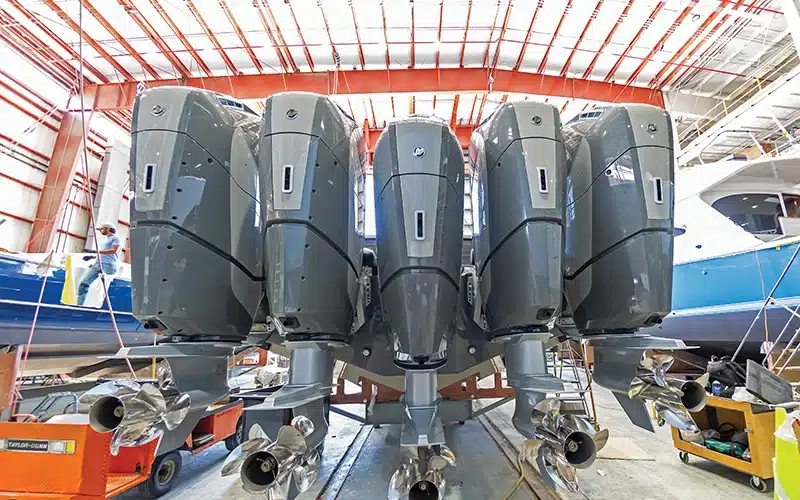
[
  {"x": 714, "y": 301},
  {"x": 57, "y": 323}
]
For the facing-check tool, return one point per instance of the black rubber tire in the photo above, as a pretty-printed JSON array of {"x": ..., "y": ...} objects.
[
  {"x": 165, "y": 469},
  {"x": 760, "y": 485},
  {"x": 683, "y": 456},
  {"x": 237, "y": 438}
]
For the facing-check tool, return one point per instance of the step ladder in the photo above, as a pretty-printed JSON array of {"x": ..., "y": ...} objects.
[{"x": 564, "y": 363}]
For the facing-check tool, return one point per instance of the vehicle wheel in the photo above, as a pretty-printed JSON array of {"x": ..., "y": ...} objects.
[
  {"x": 760, "y": 485},
  {"x": 231, "y": 442},
  {"x": 165, "y": 469},
  {"x": 683, "y": 456}
]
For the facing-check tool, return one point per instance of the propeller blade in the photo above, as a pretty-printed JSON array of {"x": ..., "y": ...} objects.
[
  {"x": 177, "y": 411},
  {"x": 306, "y": 474}
]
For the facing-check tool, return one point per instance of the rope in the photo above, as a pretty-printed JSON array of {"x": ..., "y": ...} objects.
[
  {"x": 519, "y": 480},
  {"x": 89, "y": 200}
]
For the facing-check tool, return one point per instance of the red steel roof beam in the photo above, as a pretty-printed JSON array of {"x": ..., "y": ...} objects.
[
  {"x": 432, "y": 80},
  {"x": 594, "y": 15},
  {"x": 61, "y": 43},
  {"x": 500, "y": 38},
  {"x": 480, "y": 109},
  {"x": 729, "y": 33},
  {"x": 89, "y": 40},
  {"x": 27, "y": 53},
  {"x": 358, "y": 36},
  {"x": 120, "y": 39},
  {"x": 245, "y": 44},
  {"x": 588, "y": 71},
  {"x": 385, "y": 36},
  {"x": 610, "y": 76},
  {"x": 543, "y": 63},
  {"x": 272, "y": 39},
  {"x": 692, "y": 39},
  {"x": 179, "y": 33},
  {"x": 528, "y": 36},
  {"x": 413, "y": 55},
  {"x": 328, "y": 31},
  {"x": 211, "y": 36},
  {"x": 279, "y": 35},
  {"x": 155, "y": 37},
  {"x": 491, "y": 35},
  {"x": 648, "y": 58},
  {"x": 306, "y": 52},
  {"x": 37, "y": 52},
  {"x": 466, "y": 30},
  {"x": 454, "y": 114},
  {"x": 439, "y": 33},
  {"x": 754, "y": 7}
]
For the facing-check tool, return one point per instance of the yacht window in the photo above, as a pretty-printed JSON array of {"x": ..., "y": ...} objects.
[{"x": 755, "y": 213}]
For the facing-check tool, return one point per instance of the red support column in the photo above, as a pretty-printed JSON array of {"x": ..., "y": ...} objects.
[{"x": 60, "y": 172}]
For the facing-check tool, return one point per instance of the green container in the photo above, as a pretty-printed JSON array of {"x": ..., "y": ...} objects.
[{"x": 787, "y": 463}]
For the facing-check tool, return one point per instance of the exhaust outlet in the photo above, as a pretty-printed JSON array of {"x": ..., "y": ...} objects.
[
  {"x": 106, "y": 414},
  {"x": 424, "y": 490}
]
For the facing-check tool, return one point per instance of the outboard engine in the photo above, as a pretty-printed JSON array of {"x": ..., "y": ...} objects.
[
  {"x": 311, "y": 164},
  {"x": 419, "y": 205},
  {"x": 196, "y": 230},
  {"x": 618, "y": 273},
  {"x": 519, "y": 179}
]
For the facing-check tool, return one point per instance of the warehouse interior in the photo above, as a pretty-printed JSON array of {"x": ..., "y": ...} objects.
[{"x": 413, "y": 249}]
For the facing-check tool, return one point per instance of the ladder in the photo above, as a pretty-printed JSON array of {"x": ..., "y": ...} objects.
[{"x": 563, "y": 363}]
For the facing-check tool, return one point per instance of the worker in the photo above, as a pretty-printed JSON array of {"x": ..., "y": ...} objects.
[{"x": 107, "y": 265}]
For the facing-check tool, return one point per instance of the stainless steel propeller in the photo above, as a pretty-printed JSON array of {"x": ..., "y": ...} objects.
[
  {"x": 135, "y": 412},
  {"x": 673, "y": 399},
  {"x": 420, "y": 474},
  {"x": 562, "y": 443},
  {"x": 273, "y": 467}
]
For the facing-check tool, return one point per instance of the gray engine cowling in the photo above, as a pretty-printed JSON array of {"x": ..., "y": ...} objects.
[
  {"x": 195, "y": 236},
  {"x": 419, "y": 203},
  {"x": 519, "y": 180},
  {"x": 312, "y": 175},
  {"x": 620, "y": 207}
]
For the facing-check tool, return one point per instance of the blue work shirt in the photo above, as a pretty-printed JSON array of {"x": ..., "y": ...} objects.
[{"x": 109, "y": 261}]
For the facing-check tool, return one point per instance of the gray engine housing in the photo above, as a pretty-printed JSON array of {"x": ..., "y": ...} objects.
[
  {"x": 620, "y": 208},
  {"x": 518, "y": 186},
  {"x": 311, "y": 165},
  {"x": 419, "y": 204},
  {"x": 195, "y": 227}
]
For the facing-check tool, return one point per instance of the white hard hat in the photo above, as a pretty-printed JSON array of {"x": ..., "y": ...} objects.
[{"x": 108, "y": 225}]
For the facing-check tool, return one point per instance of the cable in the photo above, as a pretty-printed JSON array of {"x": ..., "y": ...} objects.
[{"x": 519, "y": 480}]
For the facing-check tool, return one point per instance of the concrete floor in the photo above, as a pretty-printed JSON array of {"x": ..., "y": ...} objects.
[{"x": 482, "y": 471}]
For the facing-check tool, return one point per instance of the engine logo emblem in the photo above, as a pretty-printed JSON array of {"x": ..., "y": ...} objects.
[
  {"x": 157, "y": 110},
  {"x": 291, "y": 114},
  {"x": 652, "y": 128},
  {"x": 419, "y": 152}
]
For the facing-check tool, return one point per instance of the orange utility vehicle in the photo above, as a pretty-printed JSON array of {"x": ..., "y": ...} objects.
[{"x": 44, "y": 460}]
